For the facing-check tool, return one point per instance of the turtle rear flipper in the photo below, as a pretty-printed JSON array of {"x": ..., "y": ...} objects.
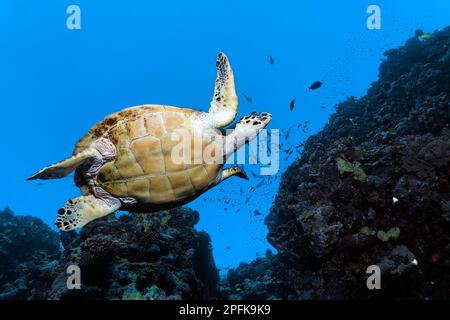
[
  {"x": 63, "y": 168},
  {"x": 79, "y": 211}
]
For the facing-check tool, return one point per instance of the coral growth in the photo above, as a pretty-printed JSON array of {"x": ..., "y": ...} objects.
[
  {"x": 371, "y": 188},
  {"x": 28, "y": 249},
  {"x": 136, "y": 256}
]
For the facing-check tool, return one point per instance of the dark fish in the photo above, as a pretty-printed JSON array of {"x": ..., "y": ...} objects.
[
  {"x": 292, "y": 104},
  {"x": 271, "y": 61},
  {"x": 315, "y": 85},
  {"x": 288, "y": 132},
  {"x": 228, "y": 248},
  {"x": 259, "y": 185},
  {"x": 419, "y": 33},
  {"x": 247, "y": 98}
]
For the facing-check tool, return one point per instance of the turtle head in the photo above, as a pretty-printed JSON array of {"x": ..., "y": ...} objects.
[
  {"x": 246, "y": 130},
  {"x": 253, "y": 123}
]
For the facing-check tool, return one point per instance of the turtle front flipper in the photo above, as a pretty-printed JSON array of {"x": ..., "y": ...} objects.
[
  {"x": 225, "y": 102},
  {"x": 63, "y": 168},
  {"x": 233, "y": 171},
  {"x": 79, "y": 211},
  {"x": 230, "y": 172}
]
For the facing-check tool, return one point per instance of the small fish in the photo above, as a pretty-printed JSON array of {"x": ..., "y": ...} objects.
[
  {"x": 252, "y": 173},
  {"x": 425, "y": 36},
  {"x": 292, "y": 104},
  {"x": 247, "y": 98},
  {"x": 315, "y": 85},
  {"x": 271, "y": 61},
  {"x": 259, "y": 185},
  {"x": 288, "y": 132}
]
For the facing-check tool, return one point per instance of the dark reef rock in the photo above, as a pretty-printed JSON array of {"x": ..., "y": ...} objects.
[
  {"x": 135, "y": 256},
  {"x": 371, "y": 188},
  {"x": 268, "y": 279},
  {"x": 141, "y": 256},
  {"x": 28, "y": 247}
]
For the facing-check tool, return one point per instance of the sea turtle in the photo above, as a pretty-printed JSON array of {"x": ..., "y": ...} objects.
[{"x": 130, "y": 160}]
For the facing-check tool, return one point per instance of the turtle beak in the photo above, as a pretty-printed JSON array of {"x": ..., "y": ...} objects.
[{"x": 265, "y": 118}]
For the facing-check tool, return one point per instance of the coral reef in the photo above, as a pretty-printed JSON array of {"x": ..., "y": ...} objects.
[
  {"x": 142, "y": 256},
  {"x": 371, "y": 188},
  {"x": 268, "y": 278},
  {"x": 135, "y": 256},
  {"x": 28, "y": 249}
]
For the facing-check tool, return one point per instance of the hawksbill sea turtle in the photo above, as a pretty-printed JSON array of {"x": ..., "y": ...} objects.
[{"x": 126, "y": 161}]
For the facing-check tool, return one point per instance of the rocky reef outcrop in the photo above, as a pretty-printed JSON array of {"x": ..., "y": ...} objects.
[
  {"x": 28, "y": 251},
  {"x": 268, "y": 278},
  {"x": 134, "y": 256},
  {"x": 372, "y": 188}
]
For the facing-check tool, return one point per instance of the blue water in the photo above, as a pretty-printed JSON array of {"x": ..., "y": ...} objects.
[{"x": 55, "y": 82}]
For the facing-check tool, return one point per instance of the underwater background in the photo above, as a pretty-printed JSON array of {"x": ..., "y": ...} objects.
[{"x": 324, "y": 220}]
